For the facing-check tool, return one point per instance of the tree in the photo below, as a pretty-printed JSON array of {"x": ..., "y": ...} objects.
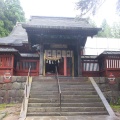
[
  {"x": 10, "y": 13},
  {"x": 106, "y": 30},
  {"x": 91, "y": 6},
  {"x": 14, "y": 11},
  {"x": 115, "y": 30}
]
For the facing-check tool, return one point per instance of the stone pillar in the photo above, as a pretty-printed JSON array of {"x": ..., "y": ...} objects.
[{"x": 41, "y": 65}]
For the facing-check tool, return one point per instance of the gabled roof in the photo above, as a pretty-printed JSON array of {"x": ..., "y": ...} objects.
[
  {"x": 59, "y": 23},
  {"x": 18, "y": 36}
]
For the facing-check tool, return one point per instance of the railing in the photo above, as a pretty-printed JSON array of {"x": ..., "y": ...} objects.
[
  {"x": 59, "y": 89},
  {"x": 26, "y": 87},
  {"x": 26, "y": 96},
  {"x": 103, "y": 99}
]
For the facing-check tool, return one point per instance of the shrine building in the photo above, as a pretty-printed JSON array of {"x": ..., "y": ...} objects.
[{"x": 47, "y": 43}]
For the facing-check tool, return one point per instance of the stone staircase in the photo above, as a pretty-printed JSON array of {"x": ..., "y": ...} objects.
[{"x": 78, "y": 98}]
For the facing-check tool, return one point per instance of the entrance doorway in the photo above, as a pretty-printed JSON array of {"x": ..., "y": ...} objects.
[
  {"x": 63, "y": 60},
  {"x": 51, "y": 65}
]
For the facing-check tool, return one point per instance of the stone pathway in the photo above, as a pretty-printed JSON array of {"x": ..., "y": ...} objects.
[{"x": 101, "y": 117}]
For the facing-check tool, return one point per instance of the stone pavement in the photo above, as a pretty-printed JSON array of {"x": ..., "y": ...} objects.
[{"x": 98, "y": 117}]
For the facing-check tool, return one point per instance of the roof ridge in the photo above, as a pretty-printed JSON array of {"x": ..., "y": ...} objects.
[
  {"x": 59, "y": 17},
  {"x": 14, "y": 28}
]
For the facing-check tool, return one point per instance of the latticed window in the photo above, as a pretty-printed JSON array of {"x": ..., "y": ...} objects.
[{"x": 24, "y": 65}]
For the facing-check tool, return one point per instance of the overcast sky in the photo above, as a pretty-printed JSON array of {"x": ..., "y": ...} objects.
[{"x": 66, "y": 8}]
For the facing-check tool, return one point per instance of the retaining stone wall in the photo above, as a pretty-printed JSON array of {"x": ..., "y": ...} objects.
[
  {"x": 12, "y": 92},
  {"x": 110, "y": 91}
]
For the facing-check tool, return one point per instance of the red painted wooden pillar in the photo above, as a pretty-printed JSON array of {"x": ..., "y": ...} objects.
[
  {"x": 12, "y": 65},
  {"x": 65, "y": 66}
]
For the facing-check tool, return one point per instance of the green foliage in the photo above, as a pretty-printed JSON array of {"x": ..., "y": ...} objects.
[
  {"x": 3, "y": 106},
  {"x": 10, "y": 13},
  {"x": 106, "y": 30},
  {"x": 14, "y": 11},
  {"x": 109, "y": 32},
  {"x": 116, "y": 108},
  {"x": 91, "y": 6},
  {"x": 115, "y": 29}
]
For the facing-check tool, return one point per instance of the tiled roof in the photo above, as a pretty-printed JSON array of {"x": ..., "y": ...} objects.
[
  {"x": 111, "y": 53},
  {"x": 88, "y": 56},
  {"x": 29, "y": 55},
  {"x": 58, "y": 22},
  {"x": 17, "y": 37},
  {"x": 8, "y": 50}
]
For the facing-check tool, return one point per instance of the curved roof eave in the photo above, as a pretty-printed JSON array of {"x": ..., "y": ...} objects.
[{"x": 17, "y": 37}]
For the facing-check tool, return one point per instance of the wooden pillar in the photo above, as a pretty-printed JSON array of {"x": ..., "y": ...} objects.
[
  {"x": 73, "y": 66},
  {"x": 105, "y": 66},
  {"x": 12, "y": 64},
  {"x": 79, "y": 59},
  {"x": 65, "y": 66},
  {"x": 41, "y": 65}
]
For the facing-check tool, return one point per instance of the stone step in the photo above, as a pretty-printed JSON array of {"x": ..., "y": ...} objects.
[
  {"x": 62, "y": 89},
  {"x": 95, "y": 104},
  {"x": 63, "y": 92},
  {"x": 66, "y": 113},
  {"x": 49, "y": 88},
  {"x": 64, "y": 96},
  {"x": 62, "y": 82},
  {"x": 44, "y": 84},
  {"x": 74, "y": 82},
  {"x": 64, "y": 109},
  {"x": 78, "y": 98},
  {"x": 52, "y": 100},
  {"x": 76, "y": 85},
  {"x": 37, "y": 78}
]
